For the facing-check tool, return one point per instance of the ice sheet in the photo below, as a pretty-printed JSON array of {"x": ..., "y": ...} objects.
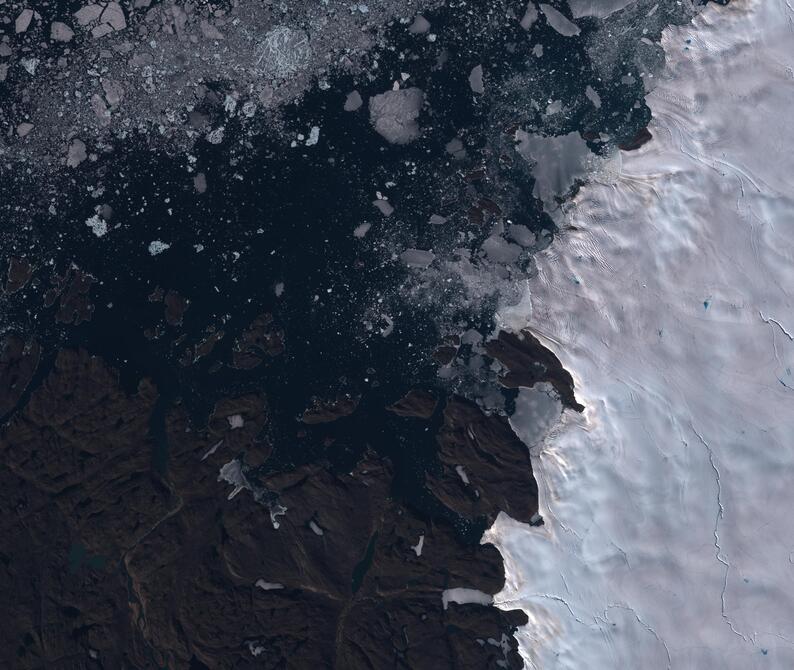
[{"x": 669, "y": 536}]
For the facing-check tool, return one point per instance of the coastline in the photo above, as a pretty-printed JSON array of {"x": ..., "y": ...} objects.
[{"x": 666, "y": 539}]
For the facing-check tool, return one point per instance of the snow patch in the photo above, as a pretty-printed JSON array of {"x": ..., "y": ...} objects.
[
  {"x": 268, "y": 586},
  {"x": 464, "y": 597}
]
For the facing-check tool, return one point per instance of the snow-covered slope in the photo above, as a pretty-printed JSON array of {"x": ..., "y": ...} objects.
[{"x": 669, "y": 506}]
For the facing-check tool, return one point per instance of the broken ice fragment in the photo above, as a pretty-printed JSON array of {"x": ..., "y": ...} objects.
[
  {"x": 200, "y": 182},
  {"x": 384, "y": 206},
  {"x": 114, "y": 92},
  {"x": 215, "y": 136},
  {"x": 554, "y": 107},
  {"x": 108, "y": 17},
  {"x": 158, "y": 247},
  {"x": 521, "y": 234},
  {"x": 100, "y": 109},
  {"x": 230, "y": 105},
  {"x": 393, "y": 114},
  {"x": 101, "y": 30},
  {"x": 557, "y": 20},
  {"x": 417, "y": 258},
  {"x": 314, "y": 136},
  {"x": 600, "y": 9},
  {"x": 87, "y": 14},
  {"x": 114, "y": 16},
  {"x": 500, "y": 250},
  {"x": 76, "y": 154},
  {"x": 530, "y": 16},
  {"x": 97, "y": 225},
  {"x": 23, "y": 20},
  {"x": 419, "y": 26},
  {"x": 353, "y": 101},
  {"x": 24, "y": 128},
  {"x": 455, "y": 148},
  {"x": 30, "y": 65},
  {"x": 593, "y": 97},
  {"x": 315, "y": 528},
  {"x": 418, "y": 546},
  {"x": 437, "y": 219},
  {"x": 361, "y": 230},
  {"x": 475, "y": 80},
  {"x": 60, "y": 32}
]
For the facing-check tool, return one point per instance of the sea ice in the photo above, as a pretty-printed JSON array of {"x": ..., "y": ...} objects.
[
  {"x": 559, "y": 22},
  {"x": 394, "y": 114}
]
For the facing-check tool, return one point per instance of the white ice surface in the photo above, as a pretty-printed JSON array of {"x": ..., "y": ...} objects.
[
  {"x": 97, "y": 225},
  {"x": 235, "y": 421},
  {"x": 557, "y": 20},
  {"x": 598, "y": 8},
  {"x": 268, "y": 586},
  {"x": 669, "y": 505}
]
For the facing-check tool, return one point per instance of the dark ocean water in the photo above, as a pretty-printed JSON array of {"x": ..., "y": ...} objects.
[{"x": 275, "y": 214}]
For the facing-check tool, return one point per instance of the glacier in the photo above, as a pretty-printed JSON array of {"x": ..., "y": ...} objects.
[{"x": 668, "y": 539}]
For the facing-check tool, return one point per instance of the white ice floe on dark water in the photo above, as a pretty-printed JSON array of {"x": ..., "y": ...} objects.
[
  {"x": 559, "y": 22},
  {"x": 668, "y": 539},
  {"x": 598, "y": 8},
  {"x": 394, "y": 114},
  {"x": 97, "y": 225},
  {"x": 157, "y": 247}
]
